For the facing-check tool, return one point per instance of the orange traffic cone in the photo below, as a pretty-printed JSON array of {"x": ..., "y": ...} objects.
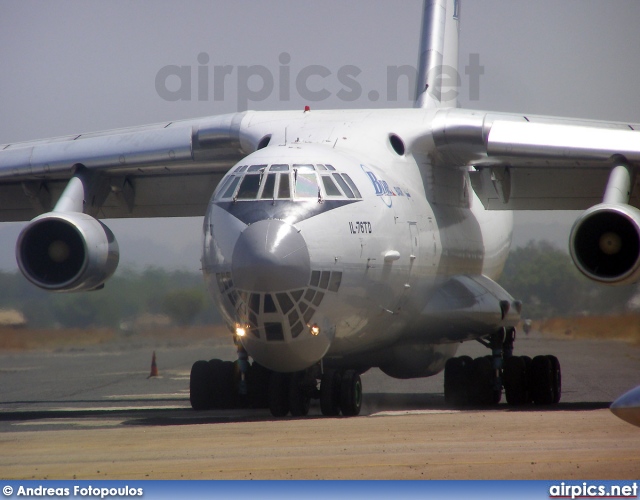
[{"x": 154, "y": 367}]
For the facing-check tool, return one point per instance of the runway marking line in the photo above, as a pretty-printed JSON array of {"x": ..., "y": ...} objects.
[
  {"x": 401, "y": 413},
  {"x": 93, "y": 409},
  {"x": 174, "y": 395}
]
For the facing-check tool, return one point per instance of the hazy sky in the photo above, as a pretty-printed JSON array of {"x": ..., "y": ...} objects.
[{"x": 77, "y": 66}]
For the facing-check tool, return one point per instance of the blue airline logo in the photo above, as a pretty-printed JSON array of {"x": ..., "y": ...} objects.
[{"x": 382, "y": 188}]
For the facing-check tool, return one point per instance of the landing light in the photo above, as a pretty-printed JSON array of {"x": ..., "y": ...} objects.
[
  {"x": 315, "y": 330},
  {"x": 241, "y": 331}
]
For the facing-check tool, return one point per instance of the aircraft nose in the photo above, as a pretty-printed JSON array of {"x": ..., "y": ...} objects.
[{"x": 270, "y": 256}]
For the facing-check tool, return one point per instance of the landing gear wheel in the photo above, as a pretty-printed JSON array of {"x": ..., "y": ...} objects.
[
  {"x": 481, "y": 384},
  {"x": 542, "y": 380},
  {"x": 516, "y": 387},
  {"x": 223, "y": 383},
  {"x": 330, "y": 393},
  {"x": 299, "y": 397},
  {"x": 279, "y": 394},
  {"x": 258, "y": 386},
  {"x": 556, "y": 376},
  {"x": 351, "y": 393},
  {"x": 456, "y": 380},
  {"x": 200, "y": 388}
]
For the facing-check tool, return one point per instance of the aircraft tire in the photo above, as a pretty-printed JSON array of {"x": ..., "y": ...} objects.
[
  {"x": 514, "y": 375},
  {"x": 299, "y": 399},
  {"x": 481, "y": 390},
  {"x": 456, "y": 380},
  {"x": 200, "y": 386},
  {"x": 279, "y": 394},
  {"x": 330, "y": 393},
  {"x": 556, "y": 377},
  {"x": 542, "y": 380},
  {"x": 258, "y": 386},
  {"x": 351, "y": 394},
  {"x": 224, "y": 384}
]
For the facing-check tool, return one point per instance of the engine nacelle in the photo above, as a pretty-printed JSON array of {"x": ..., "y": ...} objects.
[
  {"x": 605, "y": 244},
  {"x": 67, "y": 252}
]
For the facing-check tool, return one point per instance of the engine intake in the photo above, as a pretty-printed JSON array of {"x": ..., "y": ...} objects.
[
  {"x": 605, "y": 244},
  {"x": 67, "y": 252}
]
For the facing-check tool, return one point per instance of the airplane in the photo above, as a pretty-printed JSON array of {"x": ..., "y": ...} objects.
[{"x": 335, "y": 241}]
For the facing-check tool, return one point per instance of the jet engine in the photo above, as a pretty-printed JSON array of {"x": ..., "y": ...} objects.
[
  {"x": 67, "y": 252},
  {"x": 605, "y": 243}
]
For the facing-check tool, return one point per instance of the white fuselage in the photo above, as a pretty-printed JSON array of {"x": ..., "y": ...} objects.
[{"x": 317, "y": 268}]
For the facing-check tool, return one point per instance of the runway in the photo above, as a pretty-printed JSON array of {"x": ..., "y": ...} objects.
[{"x": 92, "y": 413}]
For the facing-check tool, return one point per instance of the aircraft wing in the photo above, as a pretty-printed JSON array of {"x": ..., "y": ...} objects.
[
  {"x": 163, "y": 170},
  {"x": 519, "y": 162}
]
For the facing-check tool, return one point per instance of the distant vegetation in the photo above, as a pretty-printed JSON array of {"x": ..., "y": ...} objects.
[
  {"x": 549, "y": 285},
  {"x": 539, "y": 274},
  {"x": 127, "y": 296}
]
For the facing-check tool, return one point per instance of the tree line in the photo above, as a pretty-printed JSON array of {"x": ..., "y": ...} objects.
[
  {"x": 549, "y": 285},
  {"x": 180, "y": 295},
  {"x": 539, "y": 274}
]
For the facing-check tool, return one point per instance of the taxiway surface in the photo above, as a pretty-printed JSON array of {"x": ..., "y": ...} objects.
[{"x": 93, "y": 413}]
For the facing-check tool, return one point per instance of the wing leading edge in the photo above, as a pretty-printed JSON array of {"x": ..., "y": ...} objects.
[
  {"x": 522, "y": 162},
  {"x": 163, "y": 170}
]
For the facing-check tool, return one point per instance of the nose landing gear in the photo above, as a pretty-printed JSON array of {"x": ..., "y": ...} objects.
[{"x": 217, "y": 384}]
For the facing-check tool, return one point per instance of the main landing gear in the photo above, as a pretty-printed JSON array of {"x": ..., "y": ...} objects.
[
  {"x": 480, "y": 381},
  {"x": 217, "y": 384}
]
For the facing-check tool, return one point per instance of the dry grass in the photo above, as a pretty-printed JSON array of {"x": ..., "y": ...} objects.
[
  {"x": 19, "y": 339},
  {"x": 624, "y": 327}
]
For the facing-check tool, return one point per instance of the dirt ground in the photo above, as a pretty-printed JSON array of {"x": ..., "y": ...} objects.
[{"x": 559, "y": 445}]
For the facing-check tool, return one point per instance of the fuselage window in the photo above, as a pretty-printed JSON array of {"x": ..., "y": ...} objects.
[
  {"x": 284, "y": 187},
  {"x": 269, "y": 186},
  {"x": 329, "y": 186},
  {"x": 279, "y": 167},
  {"x": 352, "y": 185},
  {"x": 306, "y": 186},
  {"x": 232, "y": 187},
  {"x": 249, "y": 187},
  {"x": 344, "y": 186}
]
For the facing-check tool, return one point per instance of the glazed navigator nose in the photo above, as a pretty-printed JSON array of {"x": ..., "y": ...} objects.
[{"x": 270, "y": 256}]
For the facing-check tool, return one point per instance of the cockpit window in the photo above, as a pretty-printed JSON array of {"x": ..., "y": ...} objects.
[
  {"x": 306, "y": 186},
  {"x": 232, "y": 187},
  {"x": 249, "y": 187},
  {"x": 352, "y": 185},
  {"x": 279, "y": 167},
  {"x": 222, "y": 186},
  {"x": 269, "y": 186},
  {"x": 304, "y": 167},
  {"x": 284, "y": 187},
  {"x": 330, "y": 187},
  {"x": 343, "y": 185},
  {"x": 281, "y": 181}
]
